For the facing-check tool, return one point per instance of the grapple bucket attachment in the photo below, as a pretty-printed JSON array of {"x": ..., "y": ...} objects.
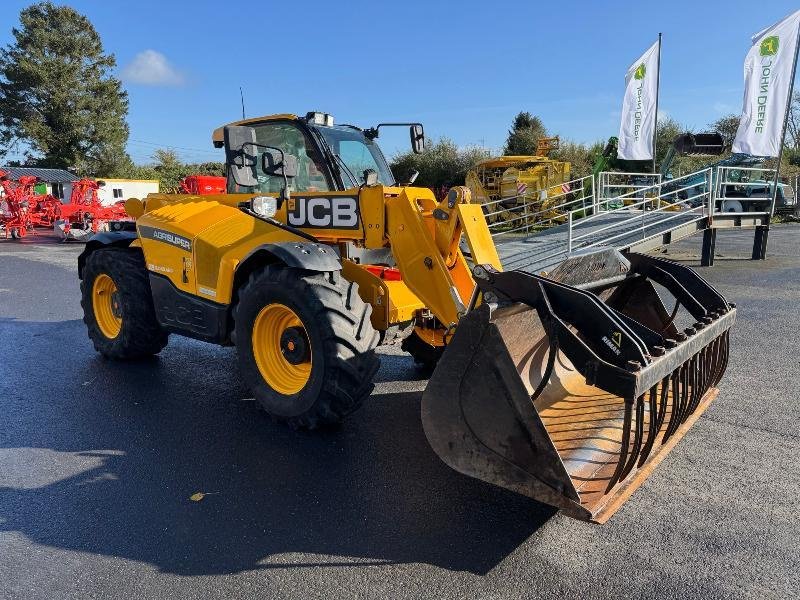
[{"x": 571, "y": 388}]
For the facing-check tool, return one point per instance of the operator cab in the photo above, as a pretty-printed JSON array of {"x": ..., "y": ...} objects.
[{"x": 322, "y": 156}]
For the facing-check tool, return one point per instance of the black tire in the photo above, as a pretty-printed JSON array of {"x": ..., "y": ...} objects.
[
  {"x": 140, "y": 335},
  {"x": 341, "y": 338},
  {"x": 424, "y": 355}
]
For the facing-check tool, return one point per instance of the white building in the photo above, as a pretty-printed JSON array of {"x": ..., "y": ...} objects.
[{"x": 121, "y": 189}]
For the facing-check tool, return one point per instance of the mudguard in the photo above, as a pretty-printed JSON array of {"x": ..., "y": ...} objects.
[
  {"x": 116, "y": 239},
  {"x": 301, "y": 255}
]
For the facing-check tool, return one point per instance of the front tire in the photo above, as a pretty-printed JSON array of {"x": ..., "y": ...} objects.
[
  {"x": 118, "y": 305},
  {"x": 306, "y": 345}
]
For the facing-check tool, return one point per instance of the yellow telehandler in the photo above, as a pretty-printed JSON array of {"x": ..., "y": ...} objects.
[{"x": 568, "y": 387}]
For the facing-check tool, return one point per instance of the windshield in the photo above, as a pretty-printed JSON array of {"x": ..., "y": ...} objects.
[{"x": 357, "y": 153}]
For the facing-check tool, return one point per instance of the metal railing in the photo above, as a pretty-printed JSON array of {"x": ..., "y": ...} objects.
[
  {"x": 743, "y": 190},
  {"x": 682, "y": 200},
  {"x": 639, "y": 215},
  {"x": 613, "y": 185},
  {"x": 540, "y": 209}
]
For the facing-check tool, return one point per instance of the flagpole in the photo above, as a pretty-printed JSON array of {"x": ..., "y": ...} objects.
[
  {"x": 658, "y": 91},
  {"x": 783, "y": 130}
]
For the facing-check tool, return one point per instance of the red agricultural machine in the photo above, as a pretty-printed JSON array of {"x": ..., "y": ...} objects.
[
  {"x": 202, "y": 185},
  {"x": 85, "y": 215},
  {"x": 22, "y": 209}
]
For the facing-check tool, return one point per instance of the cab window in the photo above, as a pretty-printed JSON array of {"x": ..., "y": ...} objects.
[{"x": 311, "y": 173}]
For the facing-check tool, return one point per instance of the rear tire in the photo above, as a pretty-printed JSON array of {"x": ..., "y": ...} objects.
[
  {"x": 130, "y": 307},
  {"x": 306, "y": 345}
]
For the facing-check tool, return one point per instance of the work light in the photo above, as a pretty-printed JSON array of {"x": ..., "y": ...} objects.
[{"x": 266, "y": 206}]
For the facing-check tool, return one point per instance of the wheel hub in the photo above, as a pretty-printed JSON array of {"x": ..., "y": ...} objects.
[
  {"x": 115, "y": 308},
  {"x": 294, "y": 345}
]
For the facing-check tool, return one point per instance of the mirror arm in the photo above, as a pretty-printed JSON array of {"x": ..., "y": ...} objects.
[
  {"x": 285, "y": 193},
  {"x": 372, "y": 132}
]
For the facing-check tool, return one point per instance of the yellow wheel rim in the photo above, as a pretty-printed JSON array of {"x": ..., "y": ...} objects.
[
  {"x": 105, "y": 304},
  {"x": 278, "y": 333}
]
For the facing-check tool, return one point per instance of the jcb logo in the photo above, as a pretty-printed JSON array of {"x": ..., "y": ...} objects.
[{"x": 329, "y": 212}]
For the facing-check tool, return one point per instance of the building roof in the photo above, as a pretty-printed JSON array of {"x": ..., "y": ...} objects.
[{"x": 45, "y": 175}]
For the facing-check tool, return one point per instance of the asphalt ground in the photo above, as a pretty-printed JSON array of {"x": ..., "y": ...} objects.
[{"x": 98, "y": 461}]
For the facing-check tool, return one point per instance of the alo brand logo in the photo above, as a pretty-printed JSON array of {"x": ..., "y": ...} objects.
[
  {"x": 769, "y": 46},
  {"x": 640, "y": 72},
  {"x": 323, "y": 212}
]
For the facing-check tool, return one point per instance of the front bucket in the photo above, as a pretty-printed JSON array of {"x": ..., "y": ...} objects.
[{"x": 572, "y": 396}]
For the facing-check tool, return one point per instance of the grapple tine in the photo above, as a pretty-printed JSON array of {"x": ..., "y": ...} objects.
[
  {"x": 684, "y": 398},
  {"x": 662, "y": 409},
  {"x": 706, "y": 367},
  {"x": 652, "y": 425},
  {"x": 700, "y": 378},
  {"x": 724, "y": 357},
  {"x": 715, "y": 362},
  {"x": 638, "y": 434},
  {"x": 691, "y": 387},
  {"x": 673, "y": 413},
  {"x": 623, "y": 450}
]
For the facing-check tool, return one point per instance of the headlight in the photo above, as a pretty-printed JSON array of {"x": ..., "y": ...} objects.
[{"x": 266, "y": 206}]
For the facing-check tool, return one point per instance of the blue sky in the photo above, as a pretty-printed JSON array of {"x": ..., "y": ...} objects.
[{"x": 462, "y": 68}]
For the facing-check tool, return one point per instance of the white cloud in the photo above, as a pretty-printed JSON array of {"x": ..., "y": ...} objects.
[
  {"x": 152, "y": 68},
  {"x": 663, "y": 114}
]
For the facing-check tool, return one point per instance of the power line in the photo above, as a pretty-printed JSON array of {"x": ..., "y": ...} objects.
[{"x": 158, "y": 145}]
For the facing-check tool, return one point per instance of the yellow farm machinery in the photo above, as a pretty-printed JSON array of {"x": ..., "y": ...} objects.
[
  {"x": 568, "y": 387},
  {"x": 523, "y": 191}
]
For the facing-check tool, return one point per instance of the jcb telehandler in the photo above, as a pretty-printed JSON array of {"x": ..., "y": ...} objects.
[{"x": 568, "y": 387}]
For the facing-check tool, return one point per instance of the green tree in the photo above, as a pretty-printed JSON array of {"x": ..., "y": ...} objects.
[
  {"x": 57, "y": 96},
  {"x": 793, "y": 125},
  {"x": 524, "y": 135},
  {"x": 442, "y": 165},
  {"x": 580, "y": 156},
  {"x": 168, "y": 168}
]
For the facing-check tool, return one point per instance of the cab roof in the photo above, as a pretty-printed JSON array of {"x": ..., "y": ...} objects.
[{"x": 218, "y": 138}]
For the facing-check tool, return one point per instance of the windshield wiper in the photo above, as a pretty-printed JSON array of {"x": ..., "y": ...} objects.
[{"x": 346, "y": 168}]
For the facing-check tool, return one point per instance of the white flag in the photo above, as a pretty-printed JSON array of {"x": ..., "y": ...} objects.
[
  {"x": 767, "y": 85},
  {"x": 639, "y": 107}
]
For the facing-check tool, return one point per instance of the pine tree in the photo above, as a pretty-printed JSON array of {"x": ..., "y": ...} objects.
[
  {"x": 524, "y": 135},
  {"x": 57, "y": 96}
]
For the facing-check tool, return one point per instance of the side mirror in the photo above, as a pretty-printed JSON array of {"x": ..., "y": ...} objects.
[
  {"x": 272, "y": 163},
  {"x": 417, "y": 138},
  {"x": 241, "y": 154}
]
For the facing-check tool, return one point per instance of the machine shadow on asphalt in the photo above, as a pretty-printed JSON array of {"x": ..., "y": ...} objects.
[{"x": 138, "y": 439}]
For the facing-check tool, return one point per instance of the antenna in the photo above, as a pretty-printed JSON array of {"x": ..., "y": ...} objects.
[{"x": 241, "y": 95}]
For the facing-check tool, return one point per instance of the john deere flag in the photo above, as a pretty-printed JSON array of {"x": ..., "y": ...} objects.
[
  {"x": 767, "y": 85},
  {"x": 639, "y": 107}
]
